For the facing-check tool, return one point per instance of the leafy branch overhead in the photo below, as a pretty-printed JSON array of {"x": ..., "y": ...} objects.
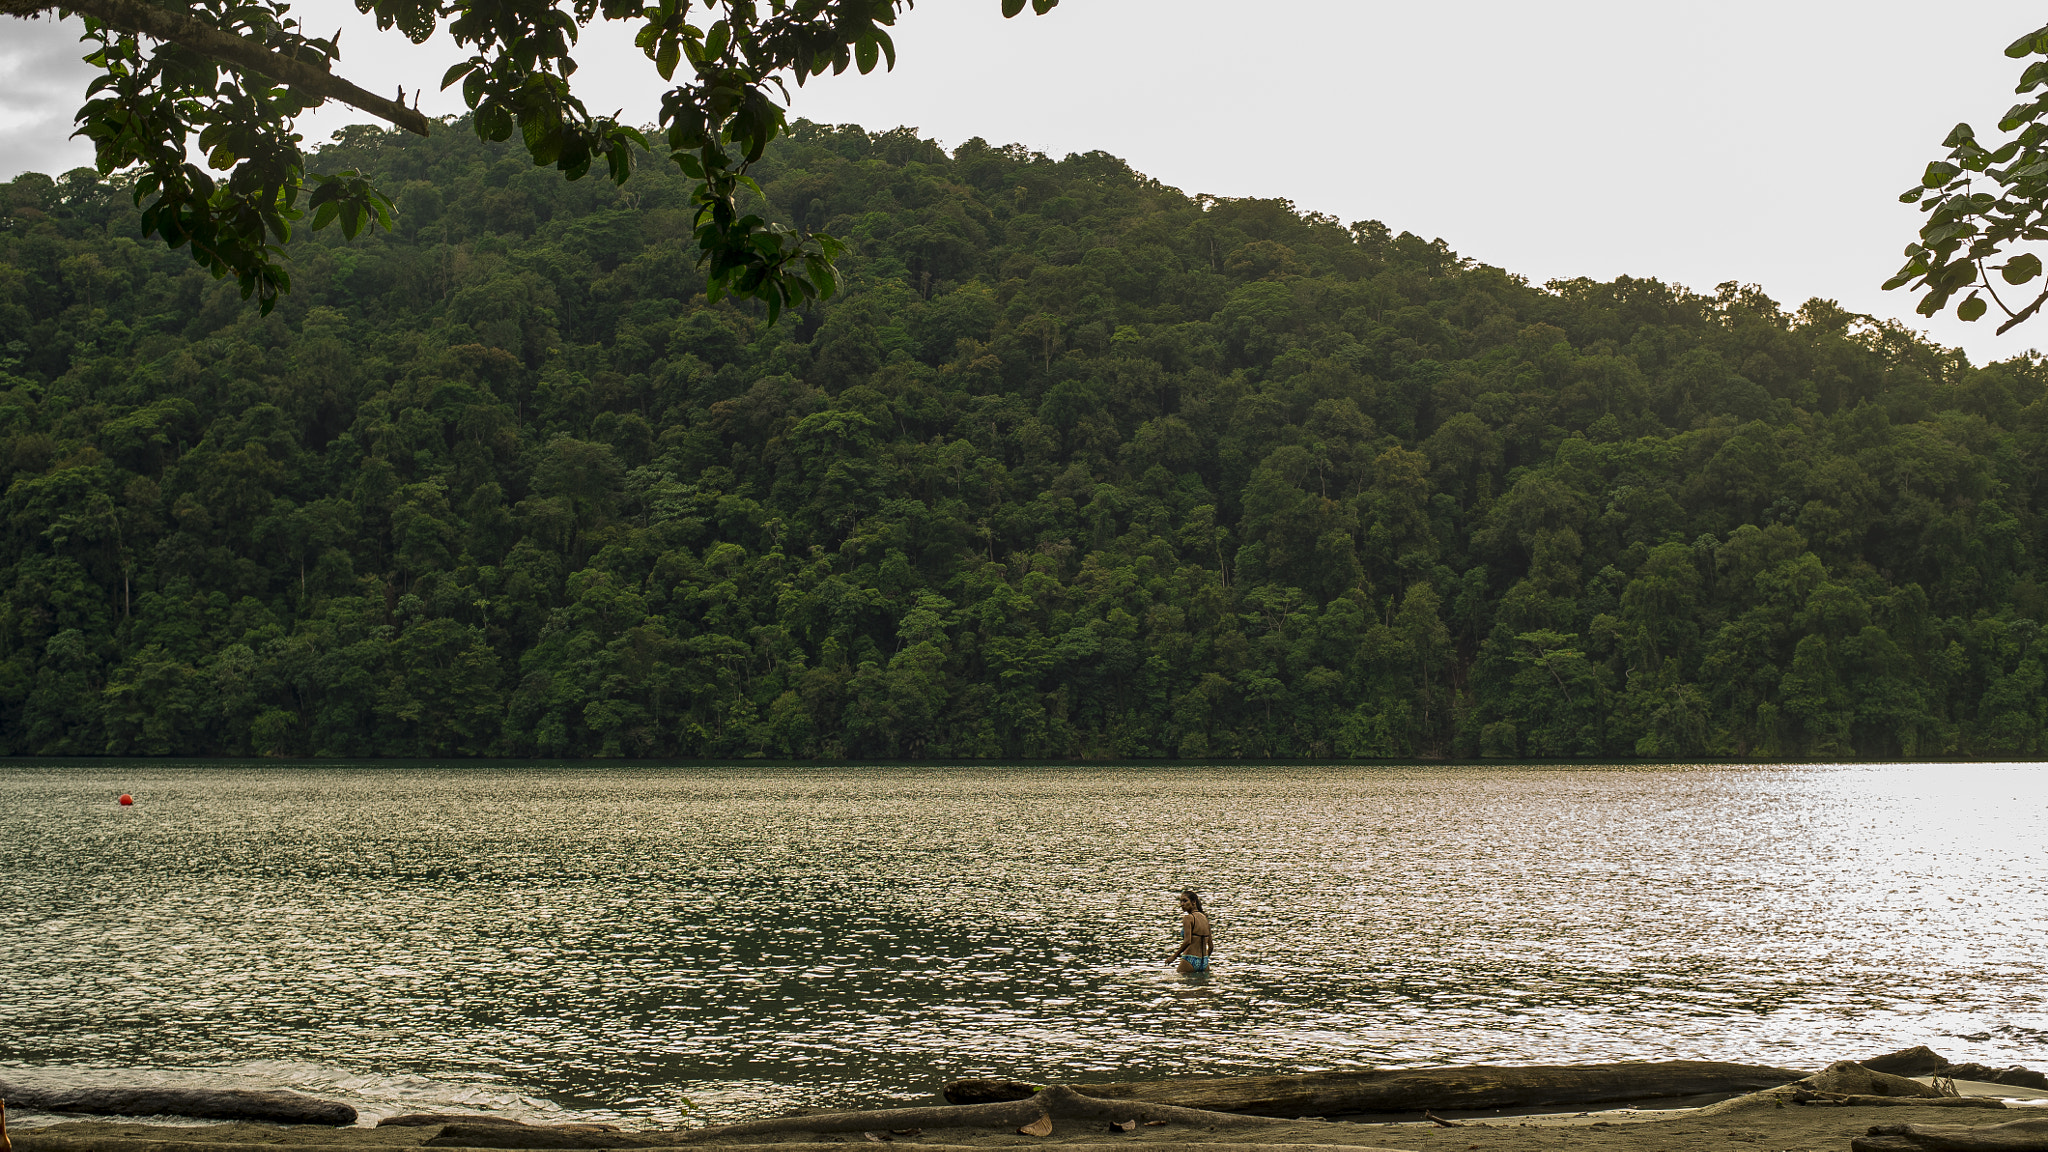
[
  {"x": 227, "y": 79},
  {"x": 1983, "y": 204}
]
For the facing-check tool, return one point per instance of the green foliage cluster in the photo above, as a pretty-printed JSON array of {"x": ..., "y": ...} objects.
[
  {"x": 1074, "y": 466},
  {"x": 1968, "y": 227}
]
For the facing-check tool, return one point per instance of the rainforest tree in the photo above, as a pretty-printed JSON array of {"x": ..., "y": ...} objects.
[{"x": 1074, "y": 465}]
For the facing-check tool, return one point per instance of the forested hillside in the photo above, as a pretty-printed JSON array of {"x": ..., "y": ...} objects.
[{"x": 1077, "y": 466}]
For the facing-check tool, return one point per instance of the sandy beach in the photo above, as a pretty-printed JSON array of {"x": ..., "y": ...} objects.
[{"x": 1761, "y": 1120}]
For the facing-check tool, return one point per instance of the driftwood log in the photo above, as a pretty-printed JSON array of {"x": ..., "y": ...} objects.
[
  {"x": 1919, "y": 1060},
  {"x": 1061, "y": 1105},
  {"x": 429, "y": 1119},
  {"x": 1059, "y": 1102},
  {"x": 200, "y": 1103},
  {"x": 2017, "y": 1076},
  {"x": 1851, "y": 1101},
  {"x": 1849, "y": 1078},
  {"x": 2018, "y": 1136},
  {"x": 1423, "y": 1089},
  {"x": 1924, "y": 1061}
]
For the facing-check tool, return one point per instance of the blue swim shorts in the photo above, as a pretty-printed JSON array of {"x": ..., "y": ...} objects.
[{"x": 1197, "y": 963}]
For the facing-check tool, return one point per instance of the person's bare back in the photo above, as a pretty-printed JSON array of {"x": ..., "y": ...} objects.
[{"x": 1196, "y": 946}]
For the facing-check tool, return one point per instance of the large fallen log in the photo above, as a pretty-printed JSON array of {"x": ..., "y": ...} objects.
[
  {"x": 1924, "y": 1061},
  {"x": 1919, "y": 1060},
  {"x": 2017, "y": 1076},
  {"x": 200, "y": 1103},
  {"x": 1470, "y": 1088},
  {"x": 2018, "y": 1136},
  {"x": 1059, "y": 1102},
  {"x": 1852, "y": 1079}
]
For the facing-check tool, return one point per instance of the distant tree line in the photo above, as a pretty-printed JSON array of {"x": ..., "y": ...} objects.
[{"x": 1076, "y": 465}]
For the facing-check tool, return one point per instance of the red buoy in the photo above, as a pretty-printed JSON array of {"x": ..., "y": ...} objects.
[{"x": 127, "y": 799}]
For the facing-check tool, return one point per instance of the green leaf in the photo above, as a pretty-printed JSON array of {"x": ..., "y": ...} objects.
[
  {"x": 1972, "y": 308},
  {"x": 865, "y": 52},
  {"x": 822, "y": 275},
  {"x": 2026, "y": 45},
  {"x": 1938, "y": 174},
  {"x": 456, "y": 73},
  {"x": 1936, "y": 233},
  {"x": 2019, "y": 114},
  {"x": 1958, "y": 135},
  {"x": 493, "y": 122},
  {"x": 1912, "y": 195},
  {"x": 2021, "y": 268},
  {"x": 1954, "y": 277},
  {"x": 1012, "y": 7}
]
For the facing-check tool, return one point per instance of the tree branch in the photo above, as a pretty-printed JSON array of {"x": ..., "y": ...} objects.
[
  {"x": 2029, "y": 310},
  {"x": 210, "y": 42}
]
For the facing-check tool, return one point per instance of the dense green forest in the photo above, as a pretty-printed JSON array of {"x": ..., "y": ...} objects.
[{"x": 1076, "y": 466}]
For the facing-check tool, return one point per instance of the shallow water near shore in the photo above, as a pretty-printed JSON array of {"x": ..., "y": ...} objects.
[{"x": 572, "y": 941}]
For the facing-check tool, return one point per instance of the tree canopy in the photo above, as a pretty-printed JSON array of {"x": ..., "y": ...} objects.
[
  {"x": 1075, "y": 465},
  {"x": 228, "y": 78}
]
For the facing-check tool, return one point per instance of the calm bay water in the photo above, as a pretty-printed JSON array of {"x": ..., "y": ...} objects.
[{"x": 613, "y": 942}]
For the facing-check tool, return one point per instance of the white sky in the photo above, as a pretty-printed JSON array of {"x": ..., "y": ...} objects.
[{"x": 1763, "y": 141}]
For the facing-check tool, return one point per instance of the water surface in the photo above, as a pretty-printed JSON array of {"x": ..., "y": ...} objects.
[{"x": 662, "y": 945}]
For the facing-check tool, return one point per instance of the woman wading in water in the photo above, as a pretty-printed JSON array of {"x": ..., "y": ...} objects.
[{"x": 1194, "y": 948}]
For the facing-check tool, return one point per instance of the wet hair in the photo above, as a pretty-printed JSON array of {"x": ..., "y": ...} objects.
[{"x": 1190, "y": 895}]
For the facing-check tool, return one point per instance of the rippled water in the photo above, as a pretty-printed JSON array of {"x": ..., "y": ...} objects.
[{"x": 614, "y": 942}]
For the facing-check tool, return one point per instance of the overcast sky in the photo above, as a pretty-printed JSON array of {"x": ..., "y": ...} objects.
[{"x": 1764, "y": 142}]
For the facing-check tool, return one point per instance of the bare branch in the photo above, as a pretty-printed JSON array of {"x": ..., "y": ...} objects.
[
  {"x": 210, "y": 42},
  {"x": 2024, "y": 313}
]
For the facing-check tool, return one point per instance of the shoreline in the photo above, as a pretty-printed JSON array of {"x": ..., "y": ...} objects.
[{"x": 1770, "y": 1119}]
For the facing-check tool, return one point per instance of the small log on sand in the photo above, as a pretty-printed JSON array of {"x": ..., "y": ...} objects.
[
  {"x": 1851, "y": 1101},
  {"x": 2018, "y": 1136},
  {"x": 200, "y": 1103},
  {"x": 1438, "y": 1089},
  {"x": 445, "y": 1120},
  {"x": 430, "y": 1119}
]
